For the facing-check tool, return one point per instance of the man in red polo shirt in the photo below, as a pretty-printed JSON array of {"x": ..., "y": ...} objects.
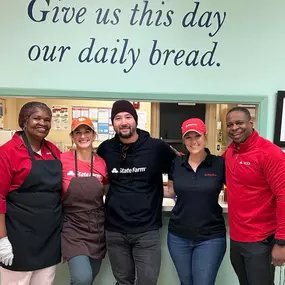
[{"x": 255, "y": 178}]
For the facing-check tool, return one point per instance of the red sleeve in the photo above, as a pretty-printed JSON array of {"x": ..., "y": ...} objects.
[
  {"x": 274, "y": 171},
  {"x": 67, "y": 165},
  {"x": 105, "y": 180},
  {"x": 6, "y": 175}
]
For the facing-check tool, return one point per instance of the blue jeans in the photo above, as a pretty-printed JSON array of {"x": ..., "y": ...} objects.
[
  {"x": 197, "y": 263},
  {"x": 83, "y": 269}
]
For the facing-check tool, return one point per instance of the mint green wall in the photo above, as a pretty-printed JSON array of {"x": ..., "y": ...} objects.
[{"x": 250, "y": 51}]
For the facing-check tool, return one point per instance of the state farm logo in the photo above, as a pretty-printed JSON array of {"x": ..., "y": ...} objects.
[
  {"x": 84, "y": 174},
  {"x": 132, "y": 170},
  {"x": 190, "y": 125},
  {"x": 115, "y": 170},
  {"x": 244, "y": 163},
  {"x": 129, "y": 170}
]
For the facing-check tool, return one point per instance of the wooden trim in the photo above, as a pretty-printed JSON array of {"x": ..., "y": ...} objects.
[
  {"x": 210, "y": 121},
  {"x": 155, "y": 119}
]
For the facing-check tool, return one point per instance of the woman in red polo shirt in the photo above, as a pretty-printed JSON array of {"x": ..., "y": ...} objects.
[
  {"x": 84, "y": 178},
  {"x": 30, "y": 201}
]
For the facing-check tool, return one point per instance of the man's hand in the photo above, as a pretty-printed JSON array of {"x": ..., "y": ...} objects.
[
  {"x": 278, "y": 255},
  {"x": 176, "y": 151},
  {"x": 6, "y": 251}
]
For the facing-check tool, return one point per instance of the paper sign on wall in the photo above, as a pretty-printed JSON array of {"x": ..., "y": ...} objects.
[
  {"x": 142, "y": 120},
  {"x": 60, "y": 118}
]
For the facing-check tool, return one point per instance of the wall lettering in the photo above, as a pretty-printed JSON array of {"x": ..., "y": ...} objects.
[{"x": 122, "y": 51}]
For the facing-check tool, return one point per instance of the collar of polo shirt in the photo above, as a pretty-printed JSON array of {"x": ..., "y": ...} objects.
[{"x": 207, "y": 160}]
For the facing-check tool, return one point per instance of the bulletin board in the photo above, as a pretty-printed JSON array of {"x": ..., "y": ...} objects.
[{"x": 100, "y": 117}]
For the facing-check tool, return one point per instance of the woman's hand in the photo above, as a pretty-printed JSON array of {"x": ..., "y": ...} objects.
[{"x": 169, "y": 190}]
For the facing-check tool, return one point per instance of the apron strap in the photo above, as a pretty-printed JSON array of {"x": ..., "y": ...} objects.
[
  {"x": 28, "y": 145},
  {"x": 76, "y": 166},
  {"x": 56, "y": 158},
  {"x": 31, "y": 152}
]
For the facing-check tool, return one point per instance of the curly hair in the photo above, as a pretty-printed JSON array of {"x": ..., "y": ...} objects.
[{"x": 28, "y": 109}]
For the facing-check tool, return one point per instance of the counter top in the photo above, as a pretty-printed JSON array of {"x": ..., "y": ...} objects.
[{"x": 168, "y": 204}]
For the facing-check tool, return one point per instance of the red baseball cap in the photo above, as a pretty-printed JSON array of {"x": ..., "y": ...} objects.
[
  {"x": 81, "y": 121},
  {"x": 193, "y": 125}
]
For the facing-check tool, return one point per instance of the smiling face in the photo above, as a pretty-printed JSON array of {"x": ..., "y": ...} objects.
[
  {"x": 83, "y": 137},
  {"x": 194, "y": 142},
  {"x": 239, "y": 126},
  {"x": 124, "y": 125},
  {"x": 38, "y": 124}
]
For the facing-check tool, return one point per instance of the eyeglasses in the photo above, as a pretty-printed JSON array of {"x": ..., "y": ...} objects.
[{"x": 124, "y": 152}]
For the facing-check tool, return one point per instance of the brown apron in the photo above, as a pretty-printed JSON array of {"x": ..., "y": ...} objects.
[{"x": 84, "y": 217}]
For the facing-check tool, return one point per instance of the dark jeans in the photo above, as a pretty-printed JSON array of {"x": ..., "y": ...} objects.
[
  {"x": 197, "y": 263},
  {"x": 83, "y": 269},
  {"x": 252, "y": 262},
  {"x": 134, "y": 258}
]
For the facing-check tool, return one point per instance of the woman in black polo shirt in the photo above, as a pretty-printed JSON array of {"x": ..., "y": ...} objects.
[{"x": 196, "y": 237}]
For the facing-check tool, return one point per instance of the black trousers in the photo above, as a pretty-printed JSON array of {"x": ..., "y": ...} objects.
[
  {"x": 135, "y": 258},
  {"x": 252, "y": 261}
]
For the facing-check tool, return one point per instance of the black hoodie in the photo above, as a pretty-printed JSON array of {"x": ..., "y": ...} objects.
[{"x": 134, "y": 200}]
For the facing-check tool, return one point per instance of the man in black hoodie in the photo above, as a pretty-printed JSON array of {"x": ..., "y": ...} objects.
[{"x": 135, "y": 163}]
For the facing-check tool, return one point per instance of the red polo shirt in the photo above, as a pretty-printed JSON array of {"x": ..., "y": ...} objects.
[{"x": 15, "y": 165}]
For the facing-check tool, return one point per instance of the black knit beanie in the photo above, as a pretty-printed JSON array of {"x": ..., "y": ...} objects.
[{"x": 123, "y": 106}]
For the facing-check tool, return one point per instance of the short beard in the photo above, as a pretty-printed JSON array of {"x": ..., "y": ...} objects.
[{"x": 129, "y": 135}]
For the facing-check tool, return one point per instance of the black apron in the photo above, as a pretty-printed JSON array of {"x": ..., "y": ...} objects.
[{"x": 34, "y": 216}]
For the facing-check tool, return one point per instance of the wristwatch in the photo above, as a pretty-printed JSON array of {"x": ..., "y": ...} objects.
[{"x": 280, "y": 242}]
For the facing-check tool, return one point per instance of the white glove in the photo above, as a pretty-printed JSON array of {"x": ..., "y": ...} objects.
[{"x": 6, "y": 251}]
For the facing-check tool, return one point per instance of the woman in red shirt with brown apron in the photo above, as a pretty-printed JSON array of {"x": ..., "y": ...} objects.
[{"x": 84, "y": 178}]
